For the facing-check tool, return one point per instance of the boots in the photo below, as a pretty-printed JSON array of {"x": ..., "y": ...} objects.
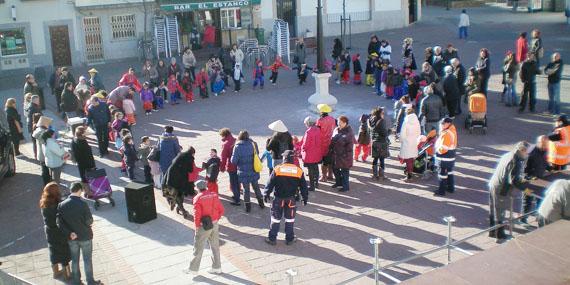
[
  {"x": 260, "y": 202},
  {"x": 375, "y": 171},
  {"x": 56, "y": 271},
  {"x": 493, "y": 233},
  {"x": 67, "y": 272},
  {"x": 381, "y": 176},
  {"x": 247, "y": 207},
  {"x": 501, "y": 233}
]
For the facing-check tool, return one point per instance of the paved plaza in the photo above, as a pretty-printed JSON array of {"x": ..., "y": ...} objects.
[{"x": 334, "y": 228}]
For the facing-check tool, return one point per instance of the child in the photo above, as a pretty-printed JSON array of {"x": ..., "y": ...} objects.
[
  {"x": 187, "y": 87},
  {"x": 129, "y": 156},
  {"x": 357, "y": 79},
  {"x": 219, "y": 85},
  {"x": 144, "y": 151},
  {"x": 302, "y": 73},
  {"x": 258, "y": 76},
  {"x": 338, "y": 69},
  {"x": 267, "y": 155},
  {"x": 363, "y": 139},
  {"x": 154, "y": 164},
  {"x": 119, "y": 124},
  {"x": 397, "y": 83},
  {"x": 370, "y": 69},
  {"x": 388, "y": 82},
  {"x": 275, "y": 69},
  {"x": 130, "y": 109},
  {"x": 162, "y": 92},
  {"x": 345, "y": 67},
  {"x": 147, "y": 97},
  {"x": 173, "y": 89},
  {"x": 212, "y": 167},
  {"x": 237, "y": 75},
  {"x": 202, "y": 82}
]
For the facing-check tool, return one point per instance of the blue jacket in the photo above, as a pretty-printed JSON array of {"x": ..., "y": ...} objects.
[
  {"x": 169, "y": 148},
  {"x": 99, "y": 115},
  {"x": 242, "y": 157}
]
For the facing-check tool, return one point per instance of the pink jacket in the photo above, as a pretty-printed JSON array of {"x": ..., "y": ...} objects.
[
  {"x": 311, "y": 146},
  {"x": 327, "y": 125}
]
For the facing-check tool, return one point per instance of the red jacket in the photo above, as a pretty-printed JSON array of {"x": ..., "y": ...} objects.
[
  {"x": 130, "y": 80},
  {"x": 522, "y": 50},
  {"x": 276, "y": 65},
  {"x": 227, "y": 150},
  {"x": 173, "y": 86},
  {"x": 327, "y": 125},
  {"x": 311, "y": 146},
  {"x": 207, "y": 203},
  {"x": 201, "y": 79}
]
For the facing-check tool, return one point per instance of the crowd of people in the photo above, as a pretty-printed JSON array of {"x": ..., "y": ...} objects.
[{"x": 426, "y": 103}]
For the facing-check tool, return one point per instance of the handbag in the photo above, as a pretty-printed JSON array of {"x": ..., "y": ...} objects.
[{"x": 257, "y": 165}]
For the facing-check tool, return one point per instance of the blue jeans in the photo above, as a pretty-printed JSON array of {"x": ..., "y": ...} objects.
[
  {"x": 462, "y": 32},
  {"x": 341, "y": 176},
  {"x": 510, "y": 95},
  {"x": 554, "y": 98},
  {"x": 246, "y": 194},
  {"x": 234, "y": 185},
  {"x": 86, "y": 247}
]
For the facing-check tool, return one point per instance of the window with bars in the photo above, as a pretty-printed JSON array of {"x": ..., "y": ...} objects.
[
  {"x": 230, "y": 18},
  {"x": 123, "y": 27}
]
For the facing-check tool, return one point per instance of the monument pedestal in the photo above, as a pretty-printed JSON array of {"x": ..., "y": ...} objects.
[{"x": 321, "y": 95}]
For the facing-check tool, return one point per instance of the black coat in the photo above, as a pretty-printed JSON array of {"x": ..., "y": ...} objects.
[
  {"x": 451, "y": 88},
  {"x": 69, "y": 102},
  {"x": 459, "y": 73},
  {"x": 373, "y": 47},
  {"x": 342, "y": 146},
  {"x": 13, "y": 117},
  {"x": 82, "y": 153},
  {"x": 536, "y": 164},
  {"x": 57, "y": 241},
  {"x": 34, "y": 109},
  {"x": 529, "y": 70},
  {"x": 554, "y": 71},
  {"x": 379, "y": 134},
  {"x": 278, "y": 143},
  {"x": 357, "y": 66},
  {"x": 177, "y": 174},
  {"x": 483, "y": 67}
]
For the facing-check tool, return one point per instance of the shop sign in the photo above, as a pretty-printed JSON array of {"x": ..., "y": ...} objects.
[{"x": 182, "y": 7}]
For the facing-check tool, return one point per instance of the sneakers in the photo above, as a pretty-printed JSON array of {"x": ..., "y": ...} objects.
[
  {"x": 215, "y": 271},
  {"x": 270, "y": 242},
  {"x": 190, "y": 272}
]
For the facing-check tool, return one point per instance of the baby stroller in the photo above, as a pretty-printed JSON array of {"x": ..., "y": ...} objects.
[
  {"x": 425, "y": 160},
  {"x": 477, "y": 117},
  {"x": 99, "y": 187}
]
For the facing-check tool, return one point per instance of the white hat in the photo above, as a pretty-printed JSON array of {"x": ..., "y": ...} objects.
[
  {"x": 44, "y": 121},
  {"x": 278, "y": 126}
]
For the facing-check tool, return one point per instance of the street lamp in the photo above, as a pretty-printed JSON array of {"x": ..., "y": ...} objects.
[{"x": 321, "y": 95}]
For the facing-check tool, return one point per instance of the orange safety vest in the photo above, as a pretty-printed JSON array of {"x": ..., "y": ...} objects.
[
  {"x": 288, "y": 170},
  {"x": 559, "y": 151},
  {"x": 446, "y": 141}
]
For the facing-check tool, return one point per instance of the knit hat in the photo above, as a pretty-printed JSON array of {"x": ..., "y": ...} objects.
[
  {"x": 278, "y": 126},
  {"x": 201, "y": 185}
]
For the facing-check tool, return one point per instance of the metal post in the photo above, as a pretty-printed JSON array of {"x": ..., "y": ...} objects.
[
  {"x": 320, "y": 40},
  {"x": 290, "y": 274},
  {"x": 376, "y": 244},
  {"x": 511, "y": 217},
  {"x": 449, "y": 220}
]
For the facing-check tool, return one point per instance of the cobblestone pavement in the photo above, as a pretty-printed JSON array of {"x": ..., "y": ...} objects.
[{"x": 334, "y": 229}]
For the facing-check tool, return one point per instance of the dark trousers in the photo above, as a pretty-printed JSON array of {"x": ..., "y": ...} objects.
[
  {"x": 16, "y": 141},
  {"x": 483, "y": 84},
  {"x": 234, "y": 185},
  {"x": 57, "y": 95},
  {"x": 82, "y": 171},
  {"x": 283, "y": 207},
  {"x": 452, "y": 107},
  {"x": 446, "y": 176},
  {"x": 247, "y": 194},
  {"x": 529, "y": 94},
  {"x": 273, "y": 77},
  {"x": 237, "y": 85},
  {"x": 131, "y": 171},
  {"x": 102, "y": 133},
  {"x": 147, "y": 175},
  {"x": 341, "y": 176},
  {"x": 313, "y": 175},
  {"x": 46, "y": 176}
]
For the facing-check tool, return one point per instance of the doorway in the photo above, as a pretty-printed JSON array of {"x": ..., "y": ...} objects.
[
  {"x": 93, "y": 39},
  {"x": 287, "y": 11},
  {"x": 413, "y": 10},
  {"x": 60, "y": 49}
]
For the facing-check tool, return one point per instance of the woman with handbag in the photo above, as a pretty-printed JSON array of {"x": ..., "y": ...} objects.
[
  {"x": 380, "y": 142},
  {"x": 82, "y": 153},
  {"x": 244, "y": 157},
  {"x": 14, "y": 123}
]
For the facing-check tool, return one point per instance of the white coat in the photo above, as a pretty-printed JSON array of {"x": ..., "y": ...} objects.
[
  {"x": 409, "y": 136},
  {"x": 53, "y": 154}
]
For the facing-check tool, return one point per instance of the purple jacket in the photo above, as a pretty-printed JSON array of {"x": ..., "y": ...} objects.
[{"x": 147, "y": 95}]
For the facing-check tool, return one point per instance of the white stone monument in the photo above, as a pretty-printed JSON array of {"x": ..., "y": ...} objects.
[{"x": 321, "y": 95}]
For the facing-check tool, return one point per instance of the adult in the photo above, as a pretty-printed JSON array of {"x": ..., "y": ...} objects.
[
  {"x": 209, "y": 36},
  {"x": 337, "y": 49},
  {"x": 472, "y": 83},
  {"x": 556, "y": 203},
  {"x": 280, "y": 141},
  {"x": 242, "y": 157},
  {"x": 554, "y": 72},
  {"x": 150, "y": 73},
  {"x": 529, "y": 70},
  {"x": 53, "y": 83},
  {"x": 373, "y": 45},
  {"x": 162, "y": 70},
  {"x": 237, "y": 56},
  {"x": 173, "y": 69},
  {"x": 408, "y": 54},
  {"x": 99, "y": 117},
  {"x": 117, "y": 95},
  {"x": 208, "y": 210},
  {"x": 169, "y": 148},
  {"x": 14, "y": 124},
  {"x": 228, "y": 142},
  {"x": 176, "y": 180},
  {"x": 385, "y": 50},
  {"x": 450, "y": 53},
  {"x": 189, "y": 61},
  {"x": 64, "y": 78},
  {"x": 432, "y": 110},
  {"x": 428, "y": 54},
  {"x": 521, "y": 48},
  {"x": 57, "y": 242},
  {"x": 55, "y": 155},
  {"x": 286, "y": 180},
  {"x": 483, "y": 68},
  {"x": 82, "y": 152},
  {"x": 342, "y": 145},
  {"x": 95, "y": 81},
  {"x": 379, "y": 134},
  {"x": 536, "y": 47},
  {"x": 33, "y": 109},
  {"x": 437, "y": 61},
  {"x": 74, "y": 219},
  {"x": 83, "y": 93},
  {"x": 130, "y": 79},
  {"x": 460, "y": 74},
  {"x": 69, "y": 102},
  {"x": 509, "y": 75},
  {"x": 411, "y": 131},
  {"x": 31, "y": 86},
  {"x": 559, "y": 145},
  {"x": 536, "y": 168},
  {"x": 445, "y": 151},
  {"x": 326, "y": 124},
  {"x": 463, "y": 24},
  {"x": 300, "y": 52},
  {"x": 428, "y": 74},
  {"x": 42, "y": 126},
  {"x": 508, "y": 175},
  {"x": 451, "y": 91},
  {"x": 311, "y": 153}
]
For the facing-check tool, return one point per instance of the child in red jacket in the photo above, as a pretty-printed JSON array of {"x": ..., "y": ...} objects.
[
  {"x": 187, "y": 84},
  {"x": 275, "y": 69},
  {"x": 212, "y": 167},
  {"x": 202, "y": 82},
  {"x": 173, "y": 89}
]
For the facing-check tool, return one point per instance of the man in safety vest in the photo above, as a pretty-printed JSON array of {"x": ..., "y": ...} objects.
[
  {"x": 285, "y": 179},
  {"x": 559, "y": 145},
  {"x": 445, "y": 147}
]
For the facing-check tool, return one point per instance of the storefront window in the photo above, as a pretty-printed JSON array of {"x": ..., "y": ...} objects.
[
  {"x": 13, "y": 42},
  {"x": 231, "y": 18}
]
